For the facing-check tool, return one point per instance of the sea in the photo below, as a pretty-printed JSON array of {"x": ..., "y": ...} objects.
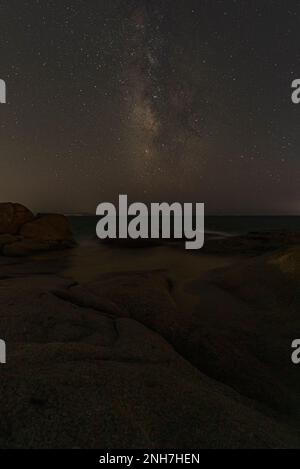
[{"x": 84, "y": 227}]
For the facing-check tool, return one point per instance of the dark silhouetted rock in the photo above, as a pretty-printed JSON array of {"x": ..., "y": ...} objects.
[
  {"x": 22, "y": 234},
  {"x": 8, "y": 239},
  {"x": 12, "y": 217},
  {"x": 50, "y": 227}
]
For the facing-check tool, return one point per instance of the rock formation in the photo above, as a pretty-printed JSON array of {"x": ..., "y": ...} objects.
[
  {"x": 12, "y": 217},
  {"x": 22, "y": 233}
]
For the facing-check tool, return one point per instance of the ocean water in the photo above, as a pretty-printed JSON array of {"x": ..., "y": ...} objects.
[
  {"x": 84, "y": 227},
  {"x": 91, "y": 258}
]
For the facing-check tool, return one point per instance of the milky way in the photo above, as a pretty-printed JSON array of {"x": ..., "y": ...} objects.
[{"x": 163, "y": 128}]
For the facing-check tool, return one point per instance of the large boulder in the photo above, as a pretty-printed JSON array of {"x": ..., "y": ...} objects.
[
  {"x": 12, "y": 217},
  {"x": 50, "y": 227},
  {"x": 8, "y": 239},
  {"x": 22, "y": 234}
]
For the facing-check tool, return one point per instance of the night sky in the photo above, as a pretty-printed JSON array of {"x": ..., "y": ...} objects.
[{"x": 171, "y": 100}]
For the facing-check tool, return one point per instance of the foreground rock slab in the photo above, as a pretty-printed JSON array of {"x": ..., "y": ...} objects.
[{"x": 96, "y": 377}]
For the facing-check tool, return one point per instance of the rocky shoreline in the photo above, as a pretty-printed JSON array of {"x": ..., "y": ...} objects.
[{"x": 137, "y": 359}]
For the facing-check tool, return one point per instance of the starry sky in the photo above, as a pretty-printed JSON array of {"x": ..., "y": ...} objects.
[{"x": 164, "y": 100}]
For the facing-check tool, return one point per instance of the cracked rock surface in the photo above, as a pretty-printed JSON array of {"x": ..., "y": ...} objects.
[{"x": 122, "y": 361}]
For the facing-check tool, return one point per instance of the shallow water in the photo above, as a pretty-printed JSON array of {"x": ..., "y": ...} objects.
[{"x": 91, "y": 259}]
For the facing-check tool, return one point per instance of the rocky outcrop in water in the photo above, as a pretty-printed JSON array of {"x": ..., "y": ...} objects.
[
  {"x": 12, "y": 217},
  {"x": 22, "y": 233}
]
